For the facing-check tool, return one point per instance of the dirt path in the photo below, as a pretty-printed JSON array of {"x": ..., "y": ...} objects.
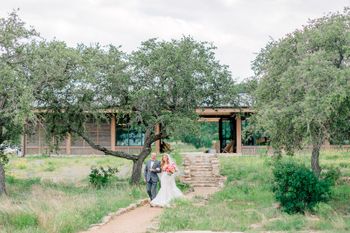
[{"x": 140, "y": 219}]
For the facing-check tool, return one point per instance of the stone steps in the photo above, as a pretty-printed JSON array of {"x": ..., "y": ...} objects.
[{"x": 202, "y": 170}]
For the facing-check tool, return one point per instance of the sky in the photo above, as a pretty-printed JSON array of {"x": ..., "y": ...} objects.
[{"x": 239, "y": 28}]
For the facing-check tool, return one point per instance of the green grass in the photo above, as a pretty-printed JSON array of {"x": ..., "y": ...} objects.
[
  {"x": 52, "y": 194},
  {"x": 38, "y": 206},
  {"x": 71, "y": 169},
  {"x": 246, "y": 203}
]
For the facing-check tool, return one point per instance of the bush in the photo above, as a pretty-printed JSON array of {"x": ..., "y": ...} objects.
[
  {"x": 101, "y": 177},
  {"x": 297, "y": 188},
  {"x": 331, "y": 175}
]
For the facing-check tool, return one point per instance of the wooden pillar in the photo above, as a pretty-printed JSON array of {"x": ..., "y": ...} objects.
[
  {"x": 113, "y": 132},
  {"x": 24, "y": 144},
  {"x": 239, "y": 134},
  {"x": 220, "y": 136},
  {"x": 157, "y": 131},
  {"x": 69, "y": 144}
]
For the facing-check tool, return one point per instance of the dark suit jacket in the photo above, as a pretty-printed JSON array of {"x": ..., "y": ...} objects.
[{"x": 151, "y": 176}]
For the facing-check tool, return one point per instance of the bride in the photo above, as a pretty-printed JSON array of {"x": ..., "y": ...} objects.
[{"x": 168, "y": 189}]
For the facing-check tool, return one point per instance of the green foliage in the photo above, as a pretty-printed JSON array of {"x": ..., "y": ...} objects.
[
  {"x": 175, "y": 77},
  {"x": 101, "y": 177},
  {"x": 3, "y": 158},
  {"x": 331, "y": 175},
  {"x": 302, "y": 94},
  {"x": 22, "y": 220},
  {"x": 297, "y": 188},
  {"x": 202, "y": 136},
  {"x": 247, "y": 203}
]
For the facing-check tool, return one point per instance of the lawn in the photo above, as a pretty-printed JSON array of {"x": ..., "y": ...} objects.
[
  {"x": 246, "y": 203},
  {"x": 67, "y": 169},
  {"x": 52, "y": 195}
]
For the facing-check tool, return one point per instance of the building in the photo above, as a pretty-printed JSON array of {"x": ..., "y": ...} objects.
[{"x": 118, "y": 137}]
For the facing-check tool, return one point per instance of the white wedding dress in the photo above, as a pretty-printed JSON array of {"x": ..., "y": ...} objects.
[{"x": 168, "y": 191}]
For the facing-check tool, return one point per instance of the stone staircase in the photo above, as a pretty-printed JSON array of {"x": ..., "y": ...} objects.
[{"x": 202, "y": 170}]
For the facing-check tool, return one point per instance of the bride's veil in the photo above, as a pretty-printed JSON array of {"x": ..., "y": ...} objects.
[{"x": 171, "y": 161}]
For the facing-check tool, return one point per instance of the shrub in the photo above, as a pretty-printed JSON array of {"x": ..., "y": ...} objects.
[
  {"x": 101, "y": 177},
  {"x": 331, "y": 175},
  {"x": 297, "y": 188}
]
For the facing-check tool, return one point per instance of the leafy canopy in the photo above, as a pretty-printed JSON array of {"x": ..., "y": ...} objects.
[{"x": 303, "y": 89}]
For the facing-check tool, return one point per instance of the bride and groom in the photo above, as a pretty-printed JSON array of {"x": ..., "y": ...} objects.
[{"x": 162, "y": 171}]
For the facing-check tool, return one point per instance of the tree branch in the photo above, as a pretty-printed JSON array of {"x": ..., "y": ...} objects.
[{"x": 106, "y": 151}]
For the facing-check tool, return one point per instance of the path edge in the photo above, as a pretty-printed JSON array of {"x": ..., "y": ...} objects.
[{"x": 106, "y": 219}]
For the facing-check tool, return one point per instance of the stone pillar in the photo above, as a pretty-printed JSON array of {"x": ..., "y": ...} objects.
[
  {"x": 68, "y": 144},
  {"x": 113, "y": 132},
  {"x": 157, "y": 131},
  {"x": 239, "y": 134}
]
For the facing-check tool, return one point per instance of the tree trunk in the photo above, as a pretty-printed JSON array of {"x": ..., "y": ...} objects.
[
  {"x": 315, "y": 165},
  {"x": 2, "y": 180},
  {"x": 137, "y": 164},
  {"x": 136, "y": 171}
]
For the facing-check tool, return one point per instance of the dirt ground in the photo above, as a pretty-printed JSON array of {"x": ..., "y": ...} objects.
[{"x": 141, "y": 219}]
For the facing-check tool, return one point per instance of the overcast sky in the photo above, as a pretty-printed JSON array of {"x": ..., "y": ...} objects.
[{"x": 239, "y": 28}]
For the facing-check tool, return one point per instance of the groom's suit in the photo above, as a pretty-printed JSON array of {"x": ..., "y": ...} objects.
[{"x": 151, "y": 177}]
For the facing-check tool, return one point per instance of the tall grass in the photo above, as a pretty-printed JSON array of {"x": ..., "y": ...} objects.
[
  {"x": 47, "y": 207},
  {"x": 246, "y": 203},
  {"x": 38, "y": 205}
]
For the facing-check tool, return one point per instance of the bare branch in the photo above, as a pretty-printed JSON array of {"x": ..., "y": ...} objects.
[{"x": 106, "y": 151}]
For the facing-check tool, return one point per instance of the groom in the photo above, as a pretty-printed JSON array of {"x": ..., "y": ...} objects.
[{"x": 151, "y": 178}]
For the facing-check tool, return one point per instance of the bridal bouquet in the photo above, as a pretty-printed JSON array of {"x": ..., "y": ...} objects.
[{"x": 170, "y": 169}]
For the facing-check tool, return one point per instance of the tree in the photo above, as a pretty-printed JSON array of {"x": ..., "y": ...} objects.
[
  {"x": 16, "y": 90},
  {"x": 302, "y": 95},
  {"x": 160, "y": 84}
]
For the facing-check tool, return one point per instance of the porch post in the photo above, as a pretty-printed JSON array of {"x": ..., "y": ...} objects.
[
  {"x": 68, "y": 144},
  {"x": 239, "y": 134},
  {"x": 157, "y": 131},
  {"x": 24, "y": 144},
  {"x": 220, "y": 136},
  {"x": 113, "y": 132}
]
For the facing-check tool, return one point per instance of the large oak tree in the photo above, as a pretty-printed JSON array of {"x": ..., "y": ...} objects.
[
  {"x": 303, "y": 86},
  {"x": 16, "y": 88},
  {"x": 162, "y": 83}
]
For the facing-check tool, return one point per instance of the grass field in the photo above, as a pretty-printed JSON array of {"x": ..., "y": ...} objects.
[
  {"x": 52, "y": 194},
  {"x": 67, "y": 169},
  {"x": 246, "y": 203}
]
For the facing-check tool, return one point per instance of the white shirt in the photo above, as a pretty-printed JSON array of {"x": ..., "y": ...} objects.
[{"x": 152, "y": 163}]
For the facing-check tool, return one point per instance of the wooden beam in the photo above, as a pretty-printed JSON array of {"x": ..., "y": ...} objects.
[
  {"x": 113, "y": 132},
  {"x": 239, "y": 134},
  {"x": 221, "y": 111},
  {"x": 210, "y": 119}
]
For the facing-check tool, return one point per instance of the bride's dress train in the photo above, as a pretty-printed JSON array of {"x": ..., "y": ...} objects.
[{"x": 168, "y": 191}]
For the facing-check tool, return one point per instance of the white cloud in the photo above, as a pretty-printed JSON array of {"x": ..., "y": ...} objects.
[{"x": 239, "y": 28}]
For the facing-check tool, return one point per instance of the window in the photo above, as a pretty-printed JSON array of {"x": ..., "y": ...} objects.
[
  {"x": 252, "y": 138},
  {"x": 129, "y": 137}
]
